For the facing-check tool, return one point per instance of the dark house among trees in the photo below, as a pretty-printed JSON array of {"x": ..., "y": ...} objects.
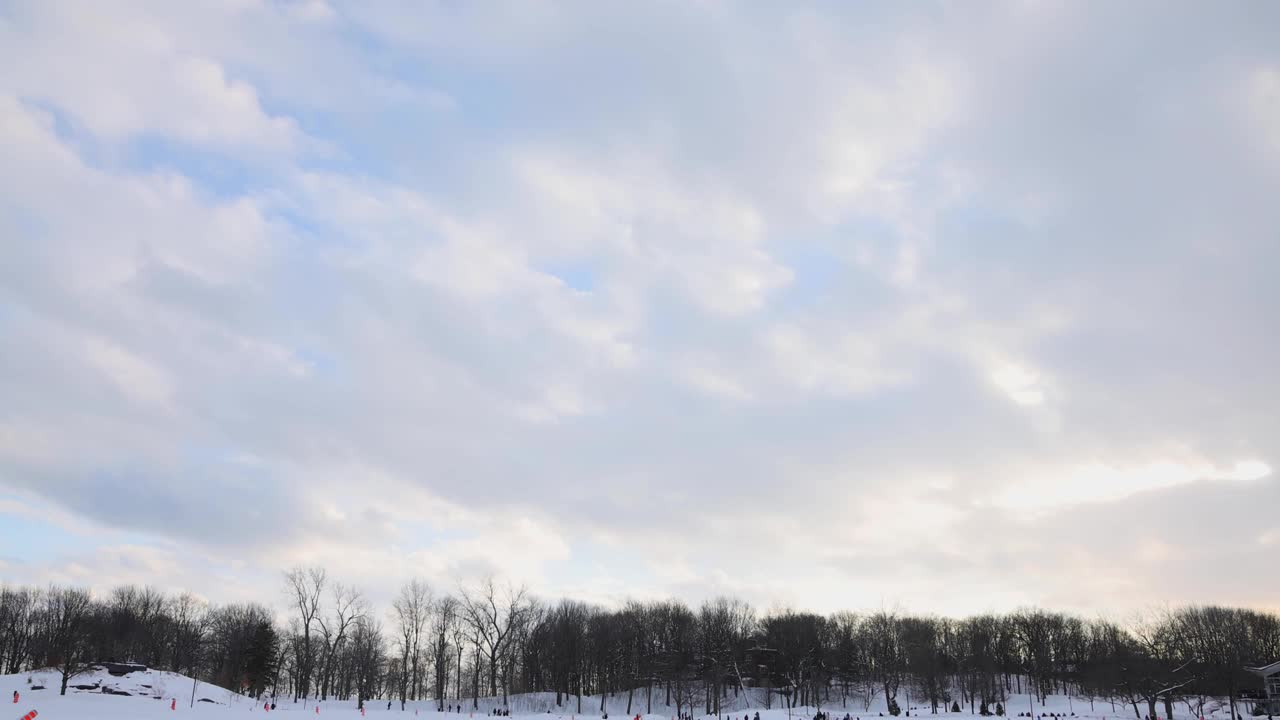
[{"x": 1270, "y": 687}]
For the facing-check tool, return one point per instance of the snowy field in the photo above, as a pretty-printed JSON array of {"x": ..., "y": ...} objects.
[{"x": 97, "y": 695}]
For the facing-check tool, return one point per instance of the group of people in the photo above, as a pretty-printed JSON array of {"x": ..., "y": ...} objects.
[
  {"x": 823, "y": 715},
  {"x": 495, "y": 712}
]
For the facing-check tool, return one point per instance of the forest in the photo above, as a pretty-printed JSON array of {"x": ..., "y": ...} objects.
[{"x": 325, "y": 640}]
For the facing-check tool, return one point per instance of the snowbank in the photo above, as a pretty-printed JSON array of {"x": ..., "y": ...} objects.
[{"x": 149, "y": 694}]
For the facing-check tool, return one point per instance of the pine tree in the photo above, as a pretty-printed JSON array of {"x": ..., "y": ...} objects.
[{"x": 260, "y": 660}]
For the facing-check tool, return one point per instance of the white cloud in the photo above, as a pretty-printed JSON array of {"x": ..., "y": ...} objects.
[
  {"x": 121, "y": 73},
  {"x": 704, "y": 240},
  {"x": 1020, "y": 384},
  {"x": 840, "y": 364},
  {"x": 861, "y": 299},
  {"x": 131, "y": 374},
  {"x": 1263, "y": 105},
  {"x": 1100, "y": 483},
  {"x": 714, "y": 382}
]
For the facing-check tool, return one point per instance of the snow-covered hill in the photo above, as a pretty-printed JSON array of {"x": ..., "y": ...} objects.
[{"x": 149, "y": 695}]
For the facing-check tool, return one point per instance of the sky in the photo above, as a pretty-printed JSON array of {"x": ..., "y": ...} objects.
[{"x": 951, "y": 307}]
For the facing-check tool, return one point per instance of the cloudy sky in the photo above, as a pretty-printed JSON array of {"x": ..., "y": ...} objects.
[{"x": 951, "y": 306}]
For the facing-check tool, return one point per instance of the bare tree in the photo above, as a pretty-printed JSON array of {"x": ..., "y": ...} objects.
[
  {"x": 1216, "y": 640},
  {"x": 190, "y": 617},
  {"x": 348, "y": 607},
  {"x": 881, "y": 634},
  {"x": 492, "y": 615},
  {"x": 304, "y": 588},
  {"x": 367, "y": 657},
  {"x": 458, "y": 634},
  {"x": 18, "y": 610},
  {"x": 412, "y": 608},
  {"x": 66, "y": 614},
  {"x": 444, "y": 620}
]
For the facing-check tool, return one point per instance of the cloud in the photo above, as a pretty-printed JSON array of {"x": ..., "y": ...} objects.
[
  {"x": 119, "y": 74},
  {"x": 1021, "y": 385},
  {"x": 1097, "y": 483},
  {"x": 1263, "y": 102},
  {"x": 642, "y": 300}
]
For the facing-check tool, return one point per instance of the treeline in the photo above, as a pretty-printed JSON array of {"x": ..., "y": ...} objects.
[
  {"x": 68, "y": 629},
  {"x": 492, "y": 640}
]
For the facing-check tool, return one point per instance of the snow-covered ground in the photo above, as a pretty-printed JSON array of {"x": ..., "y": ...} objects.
[{"x": 151, "y": 694}]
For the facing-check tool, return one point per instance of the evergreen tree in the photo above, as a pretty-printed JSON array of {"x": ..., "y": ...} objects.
[{"x": 260, "y": 660}]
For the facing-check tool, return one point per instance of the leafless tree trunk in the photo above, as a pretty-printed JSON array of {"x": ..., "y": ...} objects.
[
  {"x": 493, "y": 616},
  {"x": 304, "y": 588},
  {"x": 444, "y": 614},
  {"x": 348, "y": 607},
  {"x": 412, "y": 608},
  {"x": 66, "y": 614}
]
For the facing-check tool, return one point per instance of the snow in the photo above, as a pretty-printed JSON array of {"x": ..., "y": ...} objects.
[{"x": 152, "y": 691}]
